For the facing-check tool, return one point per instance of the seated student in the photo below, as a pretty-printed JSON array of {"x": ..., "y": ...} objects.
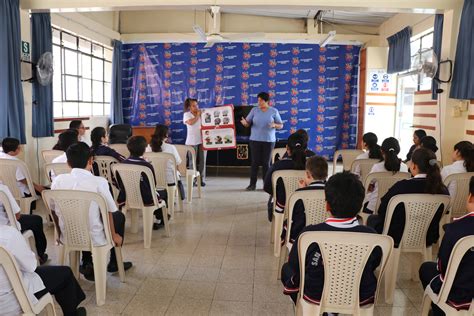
[
  {"x": 344, "y": 196},
  {"x": 463, "y": 161},
  {"x": 158, "y": 144},
  {"x": 417, "y": 136},
  {"x": 79, "y": 126},
  {"x": 315, "y": 179},
  {"x": 296, "y": 160},
  {"x": 99, "y": 144},
  {"x": 25, "y": 222},
  {"x": 429, "y": 142},
  {"x": 136, "y": 146},
  {"x": 426, "y": 179},
  {"x": 372, "y": 149},
  {"x": 56, "y": 280},
  {"x": 309, "y": 153},
  {"x": 390, "y": 150},
  {"x": 65, "y": 139},
  {"x": 80, "y": 160},
  {"x": 432, "y": 273},
  {"x": 11, "y": 149}
]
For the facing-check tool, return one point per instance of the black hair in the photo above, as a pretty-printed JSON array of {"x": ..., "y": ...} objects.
[
  {"x": 136, "y": 145},
  {"x": 187, "y": 103},
  {"x": 75, "y": 124},
  {"x": 317, "y": 166},
  {"x": 264, "y": 96},
  {"x": 430, "y": 143},
  {"x": 158, "y": 137},
  {"x": 370, "y": 139},
  {"x": 96, "y": 136},
  {"x": 10, "y": 144},
  {"x": 420, "y": 133},
  {"x": 426, "y": 162},
  {"x": 297, "y": 150},
  {"x": 391, "y": 149},
  {"x": 471, "y": 186},
  {"x": 303, "y": 133},
  {"x": 344, "y": 194},
  {"x": 78, "y": 155},
  {"x": 66, "y": 139},
  {"x": 466, "y": 150}
]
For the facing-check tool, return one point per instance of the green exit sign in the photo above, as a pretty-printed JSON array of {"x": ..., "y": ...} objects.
[{"x": 25, "y": 50}]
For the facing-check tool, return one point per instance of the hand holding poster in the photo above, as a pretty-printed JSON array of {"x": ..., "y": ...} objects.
[{"x": 218, "y": 128}]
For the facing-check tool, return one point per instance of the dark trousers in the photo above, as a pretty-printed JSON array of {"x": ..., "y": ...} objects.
[
  {"x": 119, "y": 225},
  {"x": 35, "y": 224},
  {"x": 261, "y": 156},
  {"x": 60, "y": 282},
  {"x": 286, "y": 273},
  {"x": 428, "y": 271}
]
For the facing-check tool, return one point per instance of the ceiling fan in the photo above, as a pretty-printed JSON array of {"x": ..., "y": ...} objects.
[{"x": 215, "y": 36}]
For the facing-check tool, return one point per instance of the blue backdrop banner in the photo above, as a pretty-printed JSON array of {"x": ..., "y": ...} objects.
[{"x": 314, "y": 88}]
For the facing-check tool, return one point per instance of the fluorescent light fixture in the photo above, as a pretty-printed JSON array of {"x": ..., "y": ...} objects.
[{"x": 328, "y": 39}]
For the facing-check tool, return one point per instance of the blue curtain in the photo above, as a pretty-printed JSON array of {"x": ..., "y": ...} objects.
[
  {"x": 462, "y": 86},
  {"x": 12, "y": 111},
  {"x": 42, "y": 42},
  {"x": 399, "y": 54},
  {"x": 437, "y": 42},
  {"x": 116, "y": 111}
]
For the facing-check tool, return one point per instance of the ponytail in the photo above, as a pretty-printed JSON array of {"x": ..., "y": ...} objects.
[
  {"x": 96, "y": 137},
  {"x": 370, "y": 139},
  {"x": 391, "y": 149},
  {"x": 297, "y": 146},
  {"x": 426, "y": 162},
  {"x": 466, "y": 151},
  {"x": 158, "y": 138}
]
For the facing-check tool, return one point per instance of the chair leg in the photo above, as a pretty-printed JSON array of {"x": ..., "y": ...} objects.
[
  {"x": 426, "y": 305},
  {"x": 415, "y": 264},
  {"x": 99, "y": 257},
  {"x": 199, "y": 179},
  {"x": 166, "y": 223},
  {"x": 180, "y": 201},
  {"x": 278, "y": 220},
  {"x": 62, "y": 254},
  {"x": 189, "y": 184},
  {"x": 391, "y": 275},
  {"x": 272, "y": 230},
  {"x": 148, "y": 225},
  {"x": 283, "y": 258},
  {"x": 74, "y": 262},
  {"x": 119, "y": 258},
  {"x": 171, "y": 195},
  {"x": 134, "y": 217}
]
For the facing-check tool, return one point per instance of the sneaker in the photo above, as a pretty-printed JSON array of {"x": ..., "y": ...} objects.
[
  {"x": 251, "y": 187},
  {"x": 87, "y": 271},
  {"x": 112, "y": 267},
  {"x": 81, "y": 311}
]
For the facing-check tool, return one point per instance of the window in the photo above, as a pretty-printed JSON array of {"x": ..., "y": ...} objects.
[
  {"x": 82, "y": 76},
  {"x": 419, "y": 45}
]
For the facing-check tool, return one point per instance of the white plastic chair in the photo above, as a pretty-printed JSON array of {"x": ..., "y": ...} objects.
[
  {"x": 420, "y": 209},
  {"x": 190, "y": 174},
  {"x": 50, "y": 154},
  {"x": 121, "y": 149},
  {"x": 56, "y": 169},
  {"x": 130, "y": 176},
  {"x": 104, "y": 166},
  {"x": 348, "y": 156},
  {"x": 363, "y": 166},
  {"x": 345, "y": 255},
  {"x": 314, "y": 202},
  {"x": 460, "y": 184},
  {"x": 74, "y": 208},
  {"x": 459, "y": 250},
  {"x": 14, "y": 275},
  {"x": 278, "y": 151},
  {"x": 160, "y": 163},
  {"x": 8, "y": 169},
  {"x": 291, "y": 180}
]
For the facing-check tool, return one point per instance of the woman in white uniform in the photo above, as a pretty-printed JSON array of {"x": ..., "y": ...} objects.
[
  {"x": 192, "y": 119},
  {"x": 463, "y": 161}
]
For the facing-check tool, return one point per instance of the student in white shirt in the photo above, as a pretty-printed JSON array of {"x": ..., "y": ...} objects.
[
  {"x": 463, "y": 161},
  {"x": 81, "y": 129},
  {"x": 192, "y": 119},
  {"x": 57, "y": 280},
  {"x": 80, "y": 160},
  {"x": 390, "y": 150},
  {"x": 372, "y": 149}
]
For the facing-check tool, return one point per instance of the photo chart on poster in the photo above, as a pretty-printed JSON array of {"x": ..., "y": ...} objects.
[
  {"x": 217, "y": 116},
  {"x": 218, "y": 128}
]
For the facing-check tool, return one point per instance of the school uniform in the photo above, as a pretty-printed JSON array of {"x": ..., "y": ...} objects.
[
  {"x": 19, "y": 175},
  {"x": 314, "y": 282},
  {"x": 57, "y": 280},
  {"x": 397, "y": 225},
  {"x": 410, "y": 152},
  {"x": 371, "y": 197},
  {"x": 432, "y": 273},
  {"x": 298, "y": 219},
  {"x": 455, "y": 168},
  {"x": 308, "y": 153},
  {"x": 103, "y": 150}
]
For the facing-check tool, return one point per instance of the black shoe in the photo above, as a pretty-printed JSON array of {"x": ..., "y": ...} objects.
[
  {"x": 251, "y": 187},
  {"x": 157, "y": 226},
  {"x": 81, "y": 311},
  {"x": 43, "y": 258},
  {"x": 203, "y": 184},
  {"x": 112, "y": 267},
  {"x": 87, "y": 271}
]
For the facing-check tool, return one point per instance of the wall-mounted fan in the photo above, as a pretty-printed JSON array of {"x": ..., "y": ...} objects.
[
  {"x": 214, "y": 36},
  {"x": 426, "y": 65},
  {"x": 43, "y": 70}
]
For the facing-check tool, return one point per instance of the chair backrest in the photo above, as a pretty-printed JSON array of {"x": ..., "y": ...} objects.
[
  {"x": 8, "y": 209},
  {"x": 160, "y": 161},
  {"x": 278, "y": 151},
  {"x": 104, "y": 164},
  {"x": 365, "y": 165},
  {"x": 130, "y": 176},
  {"x": 121, "y": 149},
  {"x": 385, "y": 180},
  {"x": 74, "y": 207},
  {"x": 8, "y": 169},
  {"x": 345, "y": 255},
  {"x": 420, "y": 209},
  {"x": 460, "y": 184},
  {"x": 56, "y": 168},
  {"x": 50, "y": 154},
  {"x": 183, "y": 154},
  {"x": 290, "y": 179},
  {"x": 348, "y": 156}
]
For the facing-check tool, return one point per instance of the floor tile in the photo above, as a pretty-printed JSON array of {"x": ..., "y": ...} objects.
[
  {"x": 234, "y": 292},
  {"x": 192, "y": 307}
]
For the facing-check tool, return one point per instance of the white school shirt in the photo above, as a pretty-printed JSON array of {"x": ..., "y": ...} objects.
[
  {"x": 19, "y": 174},
  {"x": 12, "y": 240},
  {"x": 454, "y": 168},
  {"x": 15, "y": 208},
  {"x": 83, "y": 180},
  {"x": 59, "y": 159},
  {"x": 364, "y": 155},
  {"x": 170, "y": 149},
  {"x": 193, "y": 136},
  {"x": 371, "y": 197}
]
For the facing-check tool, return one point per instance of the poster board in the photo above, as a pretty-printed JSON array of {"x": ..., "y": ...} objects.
[{"x": 218, "y": 128}]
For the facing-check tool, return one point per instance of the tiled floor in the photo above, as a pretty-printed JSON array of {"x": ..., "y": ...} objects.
[{"x": 218, "y": 261}]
